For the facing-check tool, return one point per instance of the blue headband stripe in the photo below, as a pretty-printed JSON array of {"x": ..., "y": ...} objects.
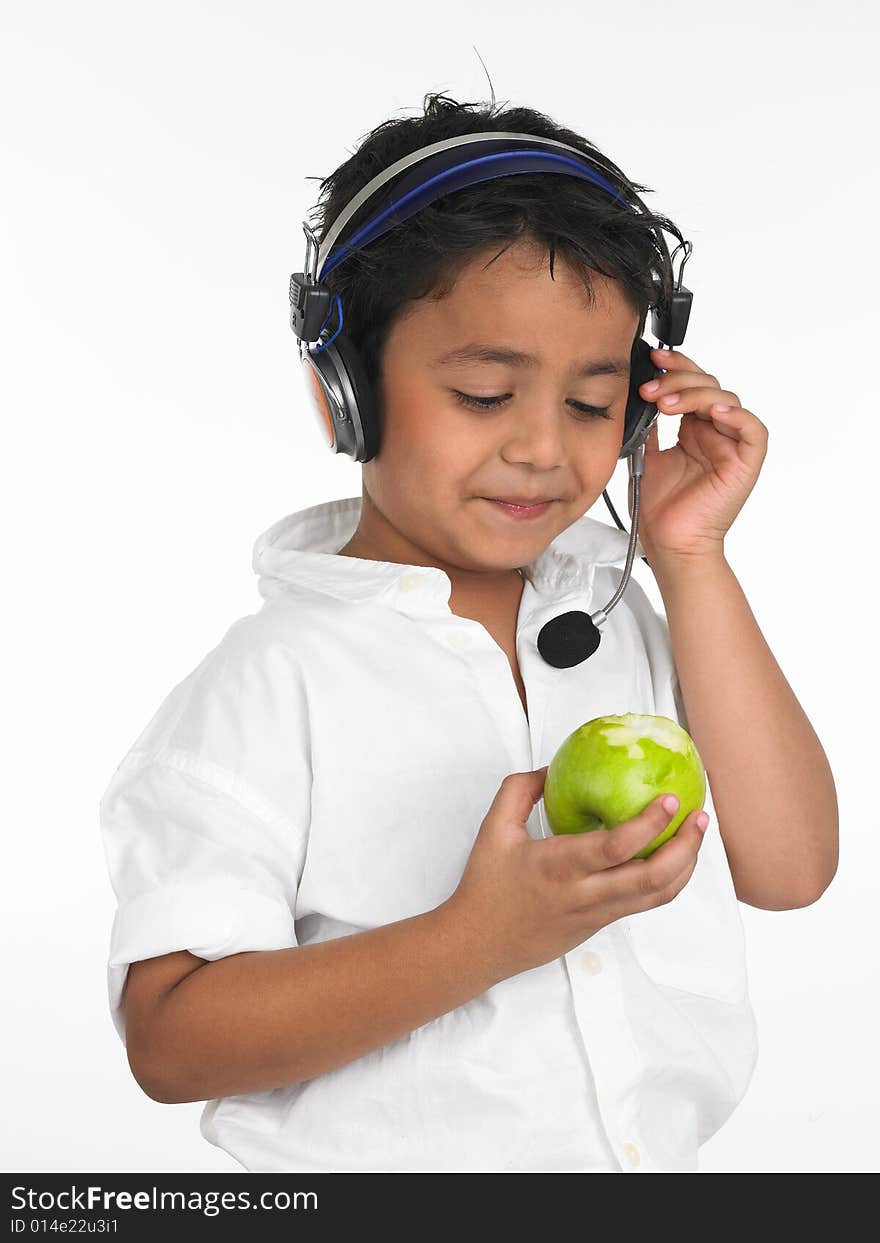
[{"x": 460, "y": 175}]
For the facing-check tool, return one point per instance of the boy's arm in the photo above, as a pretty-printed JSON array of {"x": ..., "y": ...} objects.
[
  {"x": 772, "y": 785},
  {"x": 258, "y": 1020}
]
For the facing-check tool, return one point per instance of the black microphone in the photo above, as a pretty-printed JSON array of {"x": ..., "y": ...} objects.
[{"x": 568, "y": 639}]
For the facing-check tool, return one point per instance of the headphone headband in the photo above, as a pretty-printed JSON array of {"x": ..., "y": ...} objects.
[{"x": 493, "y": 145}]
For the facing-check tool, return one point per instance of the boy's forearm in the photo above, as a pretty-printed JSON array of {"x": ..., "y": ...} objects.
[
  {"x": 772, "y": 785},
  {"x": 255, "y": 1021}
]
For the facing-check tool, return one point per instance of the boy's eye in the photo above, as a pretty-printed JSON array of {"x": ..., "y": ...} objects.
[{"x": 491, "y": 403}]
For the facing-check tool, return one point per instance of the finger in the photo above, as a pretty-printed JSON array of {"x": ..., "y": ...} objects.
[
  {"x": 609, "y": 848},
  {"x": 724, "y": 412},
  {"x": 672, "y": 360},
  {"x": 639, "y": 884},
  {"x": 517, "y": 795},
  {"x": 688, "y": 396},
  {"x": 739, "y": 424},
  {"x": 672, "y": 383}
]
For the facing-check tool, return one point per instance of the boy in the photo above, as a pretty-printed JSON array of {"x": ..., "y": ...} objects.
[{"x": 339, "y": 922}]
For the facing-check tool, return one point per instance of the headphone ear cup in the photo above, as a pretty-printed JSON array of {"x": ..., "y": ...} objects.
[
  {"x": 639, "y": 412},
  {"x": 362, "y": 402},
  {"x": 342, "y": 399}
]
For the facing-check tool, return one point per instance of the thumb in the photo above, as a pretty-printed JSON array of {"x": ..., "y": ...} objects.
[
  {"x": 518, "y": 794},
  {"x": 538, "y": 777}
]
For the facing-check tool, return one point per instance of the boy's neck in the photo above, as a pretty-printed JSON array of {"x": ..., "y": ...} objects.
[
  {"x": 474, "y": 594},
  {"x": 376, "y": 539}
]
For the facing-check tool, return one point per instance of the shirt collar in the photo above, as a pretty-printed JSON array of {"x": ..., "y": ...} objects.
[{"x": 300, "y": 550}]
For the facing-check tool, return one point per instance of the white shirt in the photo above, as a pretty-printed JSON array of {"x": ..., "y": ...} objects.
[{"x": 326, "y": 768}]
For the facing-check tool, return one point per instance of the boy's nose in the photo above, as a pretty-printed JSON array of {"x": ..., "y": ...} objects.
[{"x": 537, "y": 439}]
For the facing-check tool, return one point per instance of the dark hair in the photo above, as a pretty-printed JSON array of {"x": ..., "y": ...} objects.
[{"x": 422, "y": 256}]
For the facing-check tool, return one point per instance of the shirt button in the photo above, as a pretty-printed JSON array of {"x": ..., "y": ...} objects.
[
  {"x": 409, "y": 582},
  {"x": 632, "y": 1154},
  {"x": 591, "y": 964}
]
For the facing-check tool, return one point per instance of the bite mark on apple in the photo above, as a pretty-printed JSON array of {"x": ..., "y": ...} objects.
[{"x": 657, "y": 729}]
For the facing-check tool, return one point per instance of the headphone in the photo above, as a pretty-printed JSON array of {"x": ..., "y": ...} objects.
[{"x": 340, "y": 393}]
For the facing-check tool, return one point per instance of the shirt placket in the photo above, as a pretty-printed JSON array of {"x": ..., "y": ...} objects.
[
  {"x": 592, "y": 967},
  {"x": 597, "y": 992},
  {"x": 493, "y": 677}
]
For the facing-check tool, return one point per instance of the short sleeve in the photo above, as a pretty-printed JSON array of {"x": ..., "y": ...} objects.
[{"x": 205, "y": 822}]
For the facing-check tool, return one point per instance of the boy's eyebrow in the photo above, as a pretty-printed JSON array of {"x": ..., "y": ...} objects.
[{"x": 479, "y": 352}]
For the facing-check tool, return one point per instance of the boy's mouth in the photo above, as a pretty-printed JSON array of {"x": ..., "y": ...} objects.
[{"x": 520, "y": 508}]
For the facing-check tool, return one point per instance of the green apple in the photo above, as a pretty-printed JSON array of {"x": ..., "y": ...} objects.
[{"x": 612, "y": 767}]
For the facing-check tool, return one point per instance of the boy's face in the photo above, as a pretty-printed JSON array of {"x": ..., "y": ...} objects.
[{"x": 439, "y": 459}]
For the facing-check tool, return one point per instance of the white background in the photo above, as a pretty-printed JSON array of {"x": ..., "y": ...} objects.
[{"x": 156, "y": 159}]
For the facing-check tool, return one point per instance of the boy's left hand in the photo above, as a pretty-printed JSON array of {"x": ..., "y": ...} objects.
[{"x": 691, "y": 492}]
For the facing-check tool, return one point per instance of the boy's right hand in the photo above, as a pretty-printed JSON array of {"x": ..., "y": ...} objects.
[{"x": 526, "y": 901}]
